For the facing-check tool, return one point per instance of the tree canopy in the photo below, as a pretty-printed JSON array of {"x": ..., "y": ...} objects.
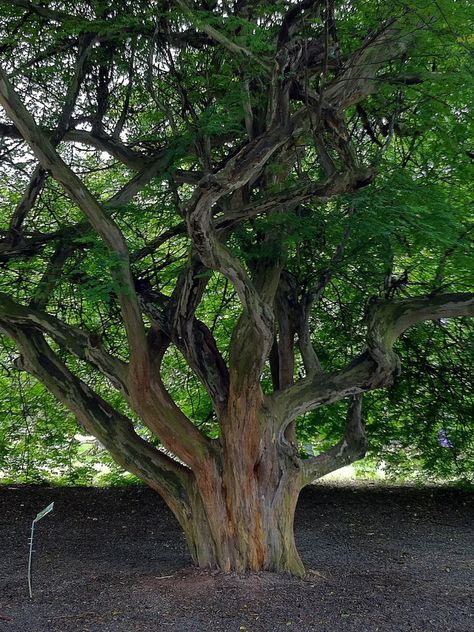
[{"x": 220, "y": 222}]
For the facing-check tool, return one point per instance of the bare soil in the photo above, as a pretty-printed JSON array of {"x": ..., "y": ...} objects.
[{"x": 114, "y": 560}]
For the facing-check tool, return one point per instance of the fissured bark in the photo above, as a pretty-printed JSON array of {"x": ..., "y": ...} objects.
[{"x": 243, "y": 506}]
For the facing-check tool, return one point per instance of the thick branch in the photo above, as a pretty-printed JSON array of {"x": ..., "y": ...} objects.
[
  {"x": 286, "y": 307},
  {"x": 101, "y": 222},
  {"x": 25, "y": 247},
  {"x": 294, "y": 17},
  {"x": 193, "y": 338},
  {"x": 321, "y": 191},
  {"x": 236, "y": 173},
  {"x": 375, "y": 367},
  {"x": 155, "y": 406},
  {"x": 111, "y": 428},
  {"x": 358, "y": 77},
  {"x": 51, "y": 276},
  {"x": 24, "y": 206},
  {"x": 83, "y": 345},
  {"x": 352, "y": 447},
  {"x": 211, "y": 251},
  {"x": 113, "y": 146},
  {"x": 38, "y": 177},
  {"x": 387, "y": 320},
  {"x": 308, "y": 354}
]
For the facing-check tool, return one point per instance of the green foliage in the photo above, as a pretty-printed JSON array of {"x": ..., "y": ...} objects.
[{"x": 409, "y": 233}]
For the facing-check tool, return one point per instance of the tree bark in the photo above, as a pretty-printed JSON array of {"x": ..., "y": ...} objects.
[{"x": 243, "y": 506}]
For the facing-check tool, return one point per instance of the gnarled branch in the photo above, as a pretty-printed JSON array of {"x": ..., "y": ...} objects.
[
  {"x": 39, "y": 175},
  {"x": 193, "y": 337},
  {"x": 352, "y": 446},
  {"x": 101, "y": 222},
  {"x": 113, "y": 429},
  {"x": 85, "y": 346},
  {"x": 358, "y": 76},
  {"x": 373, "y": 368}
]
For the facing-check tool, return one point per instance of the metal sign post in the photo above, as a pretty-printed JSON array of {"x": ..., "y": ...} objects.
[{"x": 41, "y": 514}]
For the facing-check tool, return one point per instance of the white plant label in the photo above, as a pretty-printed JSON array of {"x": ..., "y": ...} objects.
[{"x": 43, "y": 513}]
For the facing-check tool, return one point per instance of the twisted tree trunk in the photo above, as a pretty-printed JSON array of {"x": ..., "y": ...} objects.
[{"x": 243, "y": 504}]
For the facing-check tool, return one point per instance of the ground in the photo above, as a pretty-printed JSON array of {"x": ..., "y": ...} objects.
[{"x": 114, "y": 560}]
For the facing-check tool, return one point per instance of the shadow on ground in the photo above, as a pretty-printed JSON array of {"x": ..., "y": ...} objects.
[{"x": 114, "y": 560}]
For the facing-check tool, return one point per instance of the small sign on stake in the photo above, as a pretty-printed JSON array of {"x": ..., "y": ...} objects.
[
  {"x": 43, "y": 513},
  {"x": 40, "y": 515}
]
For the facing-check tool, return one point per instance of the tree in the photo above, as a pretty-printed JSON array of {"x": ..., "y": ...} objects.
[{"x": 236, "y": 182}]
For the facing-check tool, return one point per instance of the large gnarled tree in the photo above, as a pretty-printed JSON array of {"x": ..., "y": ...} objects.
[{"x": 183, "y": 140}]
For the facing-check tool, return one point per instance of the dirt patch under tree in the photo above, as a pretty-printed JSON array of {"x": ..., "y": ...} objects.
[{"x": 114, "y": 560}]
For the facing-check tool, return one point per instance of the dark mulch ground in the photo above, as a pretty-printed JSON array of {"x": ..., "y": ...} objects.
[{"x": 113, "y": 560}]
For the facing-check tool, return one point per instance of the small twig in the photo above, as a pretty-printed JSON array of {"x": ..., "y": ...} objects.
[{"x": 79, "y": 615}]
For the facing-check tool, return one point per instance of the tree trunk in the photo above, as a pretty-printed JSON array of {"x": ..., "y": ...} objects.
[
  {"x": 240, "y": 531},
  {"x": 242, "y": 508}
]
